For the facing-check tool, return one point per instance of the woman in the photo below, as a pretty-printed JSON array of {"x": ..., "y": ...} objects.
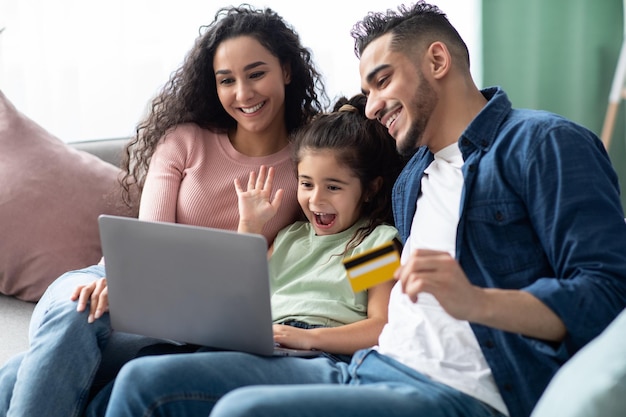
[{"x": 228, "y": 109}]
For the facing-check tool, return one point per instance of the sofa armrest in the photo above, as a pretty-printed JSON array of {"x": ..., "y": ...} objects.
[{"x": 109, "y": 150}]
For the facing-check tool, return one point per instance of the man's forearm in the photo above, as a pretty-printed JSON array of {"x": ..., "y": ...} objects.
[{"x": 518, "y": 312}]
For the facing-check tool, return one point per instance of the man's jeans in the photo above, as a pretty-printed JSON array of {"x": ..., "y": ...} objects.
[{"x": 371, "y": 385}]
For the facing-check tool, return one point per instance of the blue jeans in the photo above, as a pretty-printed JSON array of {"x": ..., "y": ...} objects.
[
  {"x": 55, "y": 376},
  {"x": 99, "y": 403},
  {"x": 240, "y": 384}
]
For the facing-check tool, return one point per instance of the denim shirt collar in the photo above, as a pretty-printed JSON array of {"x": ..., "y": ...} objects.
[
  {"x": 482, "y": 131},
  {"x": 477, "y": 138}
]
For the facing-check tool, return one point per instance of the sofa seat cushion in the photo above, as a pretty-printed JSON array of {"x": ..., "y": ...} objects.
[{"x": 50, "y": 199}]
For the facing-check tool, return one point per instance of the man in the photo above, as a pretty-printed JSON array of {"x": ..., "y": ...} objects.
[{"x": 514, "y": 256}]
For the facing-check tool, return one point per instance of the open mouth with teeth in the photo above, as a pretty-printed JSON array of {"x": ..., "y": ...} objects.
[
  {"x": 392, "y": 118},
  {"x": 324, "y": 220},
  {"x": 250, "y": 110}
]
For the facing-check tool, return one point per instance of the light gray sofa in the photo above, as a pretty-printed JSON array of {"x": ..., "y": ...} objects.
[{"x": 14, "y": 313}]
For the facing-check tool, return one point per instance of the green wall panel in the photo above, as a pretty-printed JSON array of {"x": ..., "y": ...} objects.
[{"x": 558, "y": 55}]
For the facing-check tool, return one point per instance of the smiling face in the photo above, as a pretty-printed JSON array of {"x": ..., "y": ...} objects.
[
  {"x": 329, "y": 193},
  {"x": 398, "y": 95},
  {"x": 251, "y": 84}
]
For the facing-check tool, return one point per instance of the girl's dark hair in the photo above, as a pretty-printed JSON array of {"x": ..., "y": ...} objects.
[
  {"x": 420, "y": 24},
  {"x": 365, "y": 147},
  {"x": 190, "y": 95}
]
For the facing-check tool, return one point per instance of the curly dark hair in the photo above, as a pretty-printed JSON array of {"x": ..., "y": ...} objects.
[
  {"x": 411, "y": 26},
  {"x": 363, "y": 145},
  {"x": 190, "y": 95}
]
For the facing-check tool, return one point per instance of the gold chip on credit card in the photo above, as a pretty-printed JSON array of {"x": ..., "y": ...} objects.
[{"x": 373, "y": 266}]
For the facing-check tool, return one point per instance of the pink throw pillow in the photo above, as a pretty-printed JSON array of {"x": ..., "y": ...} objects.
[{"x": 50, "y": 199}]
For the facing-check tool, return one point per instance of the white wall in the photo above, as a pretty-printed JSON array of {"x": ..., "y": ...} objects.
[{"x": 86, "y": 69}]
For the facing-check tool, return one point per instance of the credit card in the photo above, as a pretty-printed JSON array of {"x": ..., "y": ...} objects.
[{"x": 373, "y": 266}]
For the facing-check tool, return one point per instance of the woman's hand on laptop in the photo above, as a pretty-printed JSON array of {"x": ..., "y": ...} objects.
[{"x": 96, "y": 294}]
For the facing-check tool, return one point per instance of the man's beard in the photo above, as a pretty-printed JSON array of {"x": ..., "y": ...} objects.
[{"x": 423, "y": 105}]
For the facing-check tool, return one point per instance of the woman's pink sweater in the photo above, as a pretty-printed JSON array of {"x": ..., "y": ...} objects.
[{"x": 190, "y": 181}]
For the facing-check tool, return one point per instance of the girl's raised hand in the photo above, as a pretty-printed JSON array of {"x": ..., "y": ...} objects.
[{"x": 256, "y": 206}]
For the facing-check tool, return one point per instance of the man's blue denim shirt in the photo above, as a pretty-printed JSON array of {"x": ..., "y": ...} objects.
[{"x": 540, "y": 212}]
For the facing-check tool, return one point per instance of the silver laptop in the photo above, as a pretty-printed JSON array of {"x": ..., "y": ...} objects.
[{"x": 189, "y": 284}]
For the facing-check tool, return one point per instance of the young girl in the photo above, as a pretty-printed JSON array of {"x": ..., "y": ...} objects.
[
  {"x": 346, "y": 167},
  {"x": 244, "y": 87}
]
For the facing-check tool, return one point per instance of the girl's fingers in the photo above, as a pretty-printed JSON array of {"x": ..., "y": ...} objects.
[
  {"x": 270, "y": 179},
  {"x": 251, "y": 180},
  {"x": 262, "y": 181},
  {"x": 238, "y": 188},
  {"x": 278, "y": 198},
  {"x": 262, "y": 177}
]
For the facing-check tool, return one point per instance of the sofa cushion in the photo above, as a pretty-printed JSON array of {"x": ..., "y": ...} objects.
[{"x": 50, "y": 199}]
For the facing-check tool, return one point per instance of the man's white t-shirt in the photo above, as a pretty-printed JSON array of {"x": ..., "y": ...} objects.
[{"x": 422, "y": 335}]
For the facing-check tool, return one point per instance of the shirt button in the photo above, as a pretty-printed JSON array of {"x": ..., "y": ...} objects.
[
  {"x": 508, "y": 387},
  {"x": 465, "y": 142},
  {"x": 472, "y": 167},
  {"x": 489, "y": 344},
  {"x": 499, "y": 216}
]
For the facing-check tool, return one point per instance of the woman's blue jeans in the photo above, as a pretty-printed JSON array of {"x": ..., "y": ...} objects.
[{"x": 55, "y": 376}]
